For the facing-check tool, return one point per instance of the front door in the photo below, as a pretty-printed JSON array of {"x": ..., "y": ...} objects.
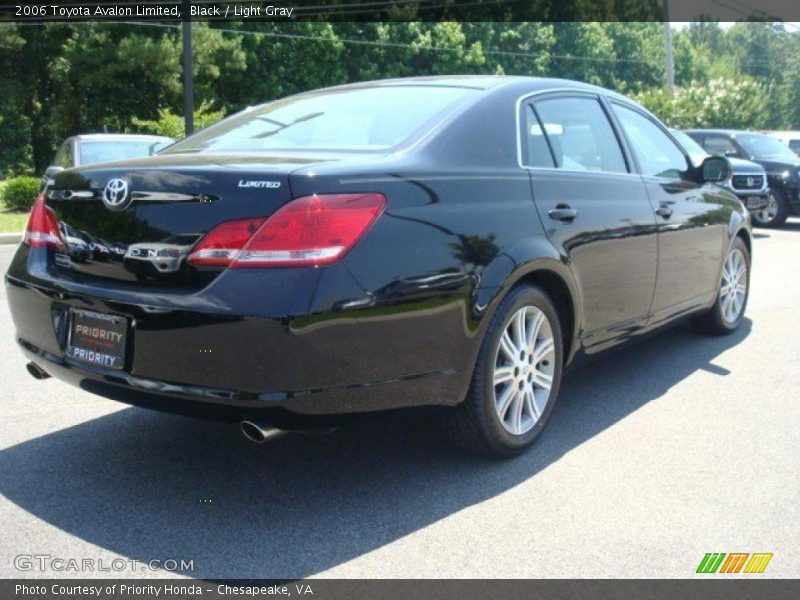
[{"x": 692, "y": 217}]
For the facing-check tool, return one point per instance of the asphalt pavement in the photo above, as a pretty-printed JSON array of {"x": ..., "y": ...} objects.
[{"x": 656, "y": 455}]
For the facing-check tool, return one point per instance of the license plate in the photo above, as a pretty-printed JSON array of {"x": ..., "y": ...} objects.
[
  {"x": 97, "y": 338},
  {"x": 756, "y": 202}
]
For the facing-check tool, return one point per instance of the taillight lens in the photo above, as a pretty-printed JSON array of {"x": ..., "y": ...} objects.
[
  {"x": 308, "y": 231},
  {"x": 221, "y": 245},
  {"x": 42, "y": 230}
]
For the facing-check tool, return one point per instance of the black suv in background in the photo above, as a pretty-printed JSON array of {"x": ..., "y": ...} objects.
[
  {"x": 748, "y": 180},
  {"x": 782, "y": 166}
]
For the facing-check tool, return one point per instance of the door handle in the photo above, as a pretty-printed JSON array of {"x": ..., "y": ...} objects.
[
  {"x": 562, "y": 212},
  {"x": 664, "y": 211}
]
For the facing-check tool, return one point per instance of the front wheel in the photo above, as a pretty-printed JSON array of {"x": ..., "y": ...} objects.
[
  {"x": 734, "y": 290},
  {"x": 774, "y": 214},
  {"x": 516, "y": 378}
]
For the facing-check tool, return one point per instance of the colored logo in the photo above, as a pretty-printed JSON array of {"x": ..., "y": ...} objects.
[{"x": 735, "y": 562}]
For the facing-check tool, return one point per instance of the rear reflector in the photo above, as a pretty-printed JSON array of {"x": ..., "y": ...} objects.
[
  {"x": 42, "y": 230},
  {"x": 308, "y": 231}
]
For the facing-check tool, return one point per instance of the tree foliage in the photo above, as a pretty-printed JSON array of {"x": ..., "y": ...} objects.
[
  {"x": 172, "y": 125},
  {"x": 60, "y": 79},
  {"x": 718, "y": 103}
]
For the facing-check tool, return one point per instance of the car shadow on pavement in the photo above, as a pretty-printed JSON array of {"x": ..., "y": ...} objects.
[{"x": 154, "y": 486}]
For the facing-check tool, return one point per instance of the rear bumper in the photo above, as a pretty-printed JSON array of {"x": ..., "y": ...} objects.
[
  {"x": 233, "y": 352},
  {"x": 285, "y": 410}
]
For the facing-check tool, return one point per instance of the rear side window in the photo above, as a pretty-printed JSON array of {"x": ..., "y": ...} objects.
[
  {"x": 658, "y": 155},
  {"x": 366, "y": 119},
  {"x": 537, "y": 150},
  {"x": 580, "y": 135}
]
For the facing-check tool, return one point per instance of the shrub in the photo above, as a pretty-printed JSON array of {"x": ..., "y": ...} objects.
[
  {"x": 172, "y": 125},
  {"x": 18, "y": 192},
  {"x": 728, "y": 103}
]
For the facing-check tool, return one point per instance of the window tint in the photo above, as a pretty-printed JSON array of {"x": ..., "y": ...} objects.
[
  {"x": 580, "y": 135},
  {"x": 538, "y": 153},
  {"x": 658, "y": 155},
  {"x": 719, "y": 145},
  {"x": 367, "y": 119}
]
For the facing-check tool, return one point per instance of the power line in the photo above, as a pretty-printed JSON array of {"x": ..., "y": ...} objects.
[{"x": 375, "y": 43}]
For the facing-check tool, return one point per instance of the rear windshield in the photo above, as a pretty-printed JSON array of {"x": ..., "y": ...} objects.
[
  {"x": 95, "y": 152},
  {"x": 366, "y": 119}
]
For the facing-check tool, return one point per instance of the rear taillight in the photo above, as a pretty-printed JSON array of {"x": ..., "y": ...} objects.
[
  {"x": 308, "y": 231},
  {"x": 42, "y": 230}
]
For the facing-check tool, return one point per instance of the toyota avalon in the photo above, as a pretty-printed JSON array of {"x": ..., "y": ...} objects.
[{"x": 449, "y": 242}]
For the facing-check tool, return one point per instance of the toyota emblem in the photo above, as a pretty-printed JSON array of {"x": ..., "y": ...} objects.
[{"x": 116, "y": 195}]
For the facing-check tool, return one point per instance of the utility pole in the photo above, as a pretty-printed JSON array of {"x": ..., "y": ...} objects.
[
  {"x": 668, "y": 43},
  {"x": 188, "y": 80}
]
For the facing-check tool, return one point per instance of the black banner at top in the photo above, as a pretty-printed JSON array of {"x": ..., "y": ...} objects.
[{"x": 400, "y": 10}]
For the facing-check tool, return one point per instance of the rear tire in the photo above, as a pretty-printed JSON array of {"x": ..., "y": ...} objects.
[
  {"x": 516, "y": 378},
  {"x": 774, "y": 214},
  {"x": 734, "y": 290}
]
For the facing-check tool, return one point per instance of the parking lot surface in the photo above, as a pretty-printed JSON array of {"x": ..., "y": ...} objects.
[{"x": 656, "y": 455}]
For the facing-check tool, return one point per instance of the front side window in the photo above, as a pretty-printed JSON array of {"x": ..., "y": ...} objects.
[
  {"x": 580, "y": 135},
  {"x": 658, "y": 155},
  {"x": 361, "y": 119}
]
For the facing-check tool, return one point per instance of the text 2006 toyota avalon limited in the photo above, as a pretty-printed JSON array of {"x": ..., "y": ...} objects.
[{"x": 452, "y": 242}]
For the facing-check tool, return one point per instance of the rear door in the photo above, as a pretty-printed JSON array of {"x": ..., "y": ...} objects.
[
  {"x": 595, "y": 210},
  {"x": 692, "y": 217}
]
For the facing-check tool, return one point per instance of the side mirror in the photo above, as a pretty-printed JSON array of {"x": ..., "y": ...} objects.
[
  {"x": 52, "y": 170},
  {"x": 716, "y": 169}
]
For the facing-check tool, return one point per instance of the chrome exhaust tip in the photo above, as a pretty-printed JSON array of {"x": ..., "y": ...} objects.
[
  {"x": 36, "y": 371},
  {"x": 258, "y": 433}
]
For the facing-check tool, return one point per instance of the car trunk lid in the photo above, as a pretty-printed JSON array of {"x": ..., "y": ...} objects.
[{"x": 136, "y": 221}]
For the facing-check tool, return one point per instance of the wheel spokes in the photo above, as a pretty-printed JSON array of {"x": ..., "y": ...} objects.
[
  {"x": 503, "y": 375},
  {"x": 524, "y": 368},
  {"x": 508, "y": 347}
]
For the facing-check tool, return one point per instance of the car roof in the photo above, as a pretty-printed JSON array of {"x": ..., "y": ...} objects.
[
  {"x": 479, "y": 82},
  {"x": 728, "y": 132},
  {"x": 118, "y": 137}
]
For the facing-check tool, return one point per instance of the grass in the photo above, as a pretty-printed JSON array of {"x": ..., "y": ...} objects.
[{"x": 11, "y": 221}]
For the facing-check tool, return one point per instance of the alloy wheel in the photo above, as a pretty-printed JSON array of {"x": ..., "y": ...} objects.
[
  {"x": 768, "y": 214},
  {"x": 733, "y": 289},
  {"x": 523, "y": 370}
]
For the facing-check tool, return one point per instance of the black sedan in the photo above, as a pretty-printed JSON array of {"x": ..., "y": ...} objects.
[{"x": 452, "y": 242}]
